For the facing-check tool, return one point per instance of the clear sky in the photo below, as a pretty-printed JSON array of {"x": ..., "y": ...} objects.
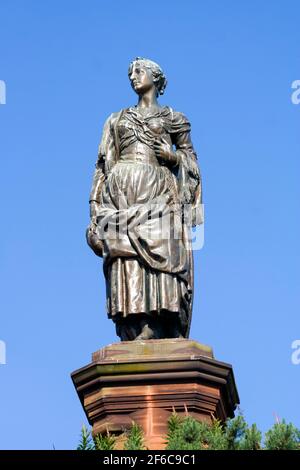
[{"x": 230, "y": 67}]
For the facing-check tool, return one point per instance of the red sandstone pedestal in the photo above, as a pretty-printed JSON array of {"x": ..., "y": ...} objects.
[{"x": 144, "y": 381}]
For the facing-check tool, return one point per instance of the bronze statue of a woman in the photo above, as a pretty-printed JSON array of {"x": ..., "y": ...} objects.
[{"x": 146, "y": 177}]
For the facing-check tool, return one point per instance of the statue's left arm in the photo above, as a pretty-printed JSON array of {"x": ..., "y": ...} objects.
[{"x": 188, "y": 173}]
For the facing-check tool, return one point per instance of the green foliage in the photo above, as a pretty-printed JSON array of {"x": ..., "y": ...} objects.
[
  {"x": 135, "y": 438},
  {"x": 283, "y": 436},
  {"x": 99, "y": 442},
  {"x": 189, "y": 434},
  {"x": 215, "y": 436},
  {"x": 86, "y": 441},
  {"x": 235, "y": 430},
  {"x": 186, "y": 433},
  {"x": 104, "y": 441},
  {"x": 174, "y": 422},
  {"x": 251, "y": 439},
  {"x": 240, "y": 436}
]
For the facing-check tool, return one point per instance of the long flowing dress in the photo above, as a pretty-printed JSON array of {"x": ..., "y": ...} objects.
[{"x": 147, "y": 256}]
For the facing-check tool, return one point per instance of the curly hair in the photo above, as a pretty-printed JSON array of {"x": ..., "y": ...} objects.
[{"x": 159, "y": 77}]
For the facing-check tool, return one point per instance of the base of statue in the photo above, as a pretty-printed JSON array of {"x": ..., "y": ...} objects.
[{"x": 144, "y": 381}]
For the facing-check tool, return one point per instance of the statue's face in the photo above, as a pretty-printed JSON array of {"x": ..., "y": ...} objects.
[{"x": 141, "y": 78}]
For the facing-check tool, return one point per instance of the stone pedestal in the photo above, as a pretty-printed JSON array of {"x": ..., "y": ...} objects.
[{"x": 144, "y": 381}]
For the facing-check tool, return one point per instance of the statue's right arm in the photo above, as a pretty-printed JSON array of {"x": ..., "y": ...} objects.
[{"x": 105, "y": 160}]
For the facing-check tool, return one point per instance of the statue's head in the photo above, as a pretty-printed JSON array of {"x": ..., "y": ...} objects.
[{"x": 144, "y": 73}]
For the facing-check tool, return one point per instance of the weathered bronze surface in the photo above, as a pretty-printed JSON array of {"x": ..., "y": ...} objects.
[{"x": 146, "y": 178}]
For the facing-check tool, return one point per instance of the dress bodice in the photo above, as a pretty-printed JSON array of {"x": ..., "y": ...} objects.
[
  {"x": 134, "y": 127},
  {"x": 130, "y": 133}
]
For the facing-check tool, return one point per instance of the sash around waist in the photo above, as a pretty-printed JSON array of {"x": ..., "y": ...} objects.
[{"x": 138, "y": 158}]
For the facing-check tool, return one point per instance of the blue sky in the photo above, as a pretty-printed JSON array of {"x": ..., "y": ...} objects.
[{"x": 230, "y": 66}]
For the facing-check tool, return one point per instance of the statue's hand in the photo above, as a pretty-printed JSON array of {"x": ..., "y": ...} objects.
[
  {"x": 92, "y": 238},
  {"x": 163, "y": 151}
]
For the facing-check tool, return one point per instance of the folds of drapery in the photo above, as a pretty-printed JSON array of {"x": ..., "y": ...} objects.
[
  {"x": 187, "y": 179},
  {"x": 187, "y": 174}
]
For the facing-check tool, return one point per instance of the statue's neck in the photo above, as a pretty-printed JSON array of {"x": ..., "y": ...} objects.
[{"x": 148, "y": 100}]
